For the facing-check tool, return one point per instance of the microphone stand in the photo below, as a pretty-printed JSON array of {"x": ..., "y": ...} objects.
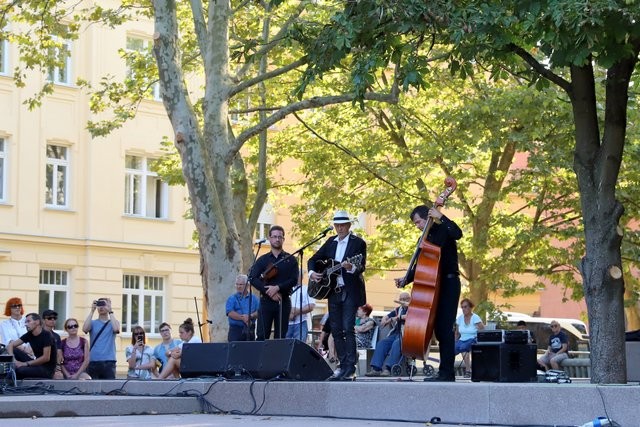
[
  {"x": 200, "y": 325},
  {"x": 255, "y": 256},
  {"x": 301, "y": 289}
]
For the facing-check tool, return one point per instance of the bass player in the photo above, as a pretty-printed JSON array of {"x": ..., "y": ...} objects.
[{"x": 443, "y": 233}]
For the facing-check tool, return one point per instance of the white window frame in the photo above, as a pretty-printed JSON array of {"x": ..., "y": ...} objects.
[
  {"x": 146, "y": 46},
  {"x": 57, "y": 166},
  {"x": 4, "y": 57},
  {"x": 138, "y": 201},
  {"x": 143, "y": 287},
  {"x": 54, "y": 281},
  {"x": 55, "y": 73},
  {"x": 3, "y": 168}
]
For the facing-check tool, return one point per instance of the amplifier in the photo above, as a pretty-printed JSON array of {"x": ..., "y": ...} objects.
[
  {"x": 495, "y": 336},
  {"x": 517, "y": 336}
]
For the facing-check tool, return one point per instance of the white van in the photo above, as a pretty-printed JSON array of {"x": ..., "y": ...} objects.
[{"x": 540, "y": 328}]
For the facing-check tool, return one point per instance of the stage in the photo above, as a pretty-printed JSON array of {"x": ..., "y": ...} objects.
[{"x": 392, "y": 399}]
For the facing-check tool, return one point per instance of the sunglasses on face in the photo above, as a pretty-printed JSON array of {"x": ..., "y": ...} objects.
[
  {"x": 165, "y": 330},
  {"x": 138, "y": 335},
  {"x": 16, "y": 306},
  {"x": 72, "y": 326},
  {"x": 51, "y": 318}
]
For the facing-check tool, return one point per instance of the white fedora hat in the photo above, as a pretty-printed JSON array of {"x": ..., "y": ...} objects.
[{"x": 341, "y": 217}]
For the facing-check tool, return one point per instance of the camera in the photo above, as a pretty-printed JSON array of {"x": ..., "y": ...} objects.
[{"x": 101, "y": 303}]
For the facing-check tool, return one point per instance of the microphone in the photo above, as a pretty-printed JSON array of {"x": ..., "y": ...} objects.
[
  {"x": 259, "y": 242},
  {"x": 326, "y": 230}
]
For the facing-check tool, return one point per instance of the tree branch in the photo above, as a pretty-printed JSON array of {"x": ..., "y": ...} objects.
[{"x": 541, "y": 69}]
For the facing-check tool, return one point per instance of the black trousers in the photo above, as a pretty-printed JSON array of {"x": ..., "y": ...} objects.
[
  {"x": 270, "y": 315},
  {"x": 445, "y": 320},
  {"x": 342, "y": 316}
]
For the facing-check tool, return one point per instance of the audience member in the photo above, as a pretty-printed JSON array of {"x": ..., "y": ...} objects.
[
  {"x": 242, "y": 310},
  {"x": 162, "y": 351},
  {"x": 300, "y": 316},
  {"x": 388, "y": 351},
  {"x": 557, "y": 350},
  {"x": 467, "y": 326},
  {"x": 139, "y": 356},
  {"x": 326, "y": 346},
  {"x": 102, "y": 332},
  {"x": 75, "y": 352},
  {"x": 522, "y": 326},
  {"x": 187, "y": 334},
  {"x": 50, "y": 318},
  {"x": 44, "y": 350},
  {"x": 365, "y": 326},
  {"x": 13, "y": 328}
]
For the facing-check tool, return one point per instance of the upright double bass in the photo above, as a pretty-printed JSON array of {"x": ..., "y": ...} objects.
[{"x": 421, "y": 315}]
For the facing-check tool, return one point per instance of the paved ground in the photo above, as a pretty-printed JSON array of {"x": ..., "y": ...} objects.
[{"x": 208, "y": 420}]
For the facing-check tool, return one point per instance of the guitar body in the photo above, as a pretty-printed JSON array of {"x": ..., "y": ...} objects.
[
  {"x": 329, "y": 269},
  {"x": 320, "y": 289}
]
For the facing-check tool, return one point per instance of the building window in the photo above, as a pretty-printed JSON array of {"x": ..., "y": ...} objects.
[
  {"x": 60, "y": 73},
  {"x": 142, "y": 302},
  {"x": 138, "y": 53},
  {"x": 52, "y": 293},
  {"x": 4, "y": 56},
  {"x": 145, "y": 193},
  {"x": 3, "y": 170},
  {"x": 57, "y": 176}
]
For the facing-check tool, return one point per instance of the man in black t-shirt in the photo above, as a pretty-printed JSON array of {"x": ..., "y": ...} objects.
[{"x": 43, "y": 346}]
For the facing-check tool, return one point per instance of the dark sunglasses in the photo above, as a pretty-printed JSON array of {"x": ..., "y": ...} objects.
[
  {"x": 16, "y": 305},
  {"x": 51, "y": 318},
  {"x": 138, "y": 335},
  {"x": 72, "y": 326}
]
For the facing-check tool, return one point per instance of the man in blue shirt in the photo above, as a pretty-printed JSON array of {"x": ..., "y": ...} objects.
[
  {"x": 242, "y": 310},
  {"x": 102, "y": 332}
]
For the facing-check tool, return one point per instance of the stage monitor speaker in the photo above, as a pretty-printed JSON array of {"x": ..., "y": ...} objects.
[
  {"x": 281, "y": 358},
  {"x": 203, "y": 359},
  {"x": 504, "y": 363}
]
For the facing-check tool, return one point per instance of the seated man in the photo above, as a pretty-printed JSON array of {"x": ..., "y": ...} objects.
[
  {"x": 557, "y": 350},
  {"x": 388, "y": 351},
  {"x": 44, "y": 350}
]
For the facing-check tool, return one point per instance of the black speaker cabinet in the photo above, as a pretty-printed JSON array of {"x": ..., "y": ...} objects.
[
  {"x": 282, "y": 358},
  {"x": 203, "y": 359},
  {"x": 503, "y": 363}
]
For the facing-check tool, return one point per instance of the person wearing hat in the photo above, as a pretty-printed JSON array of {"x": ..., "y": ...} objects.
[
  {"x": 50, "y": 318},
  {"x": 443, "y": 233},
  {"x": 388, "y": 351},
  {"x": 349, "y": 291},
  {"x": 274, "y": 274}
]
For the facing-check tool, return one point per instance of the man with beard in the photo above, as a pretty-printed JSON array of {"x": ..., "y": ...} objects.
[{"x": 274, "y": 274}]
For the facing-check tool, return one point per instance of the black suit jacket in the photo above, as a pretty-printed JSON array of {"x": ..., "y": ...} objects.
[{"x": 353, "y": 282}]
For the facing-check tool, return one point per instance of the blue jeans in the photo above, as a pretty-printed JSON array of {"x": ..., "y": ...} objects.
[
  {"x": 388, "y": 349},
  {"x": 294, "y": 331}
]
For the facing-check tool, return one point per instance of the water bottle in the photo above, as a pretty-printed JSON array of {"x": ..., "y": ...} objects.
[{"x": 598, "y": 422}]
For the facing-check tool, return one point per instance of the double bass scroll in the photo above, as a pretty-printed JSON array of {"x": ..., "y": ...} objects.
[{"x": 421, "y": 315}]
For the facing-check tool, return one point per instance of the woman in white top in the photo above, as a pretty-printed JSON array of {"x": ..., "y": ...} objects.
[
  {"x": 13, "y": 328},
  {"x": 187, "y": 335},
  {"x": 139, "y": 355},
  {"x": 467, "y": 326}
]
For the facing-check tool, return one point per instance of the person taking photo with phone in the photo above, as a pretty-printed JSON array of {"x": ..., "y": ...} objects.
[
  {"x": 102, "y": 332},
  {"x": 139, "y": 356}
]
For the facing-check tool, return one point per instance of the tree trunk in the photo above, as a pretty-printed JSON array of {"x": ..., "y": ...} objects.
[{"x": 596, "y": 166}]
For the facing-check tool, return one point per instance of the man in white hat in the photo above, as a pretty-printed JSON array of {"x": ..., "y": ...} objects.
[{"x": 348, "y": 291}]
